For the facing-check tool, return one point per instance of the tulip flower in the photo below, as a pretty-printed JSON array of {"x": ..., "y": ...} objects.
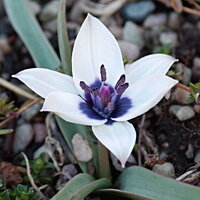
[{"x": 102, "y": 93}]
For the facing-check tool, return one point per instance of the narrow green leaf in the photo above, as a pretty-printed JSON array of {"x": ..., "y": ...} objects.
[
  {"x": 121, "y": 193},
  {"x": 30, "y": 32},
  {"x": 79, "y": 187},
  {"x": 144, "y": 182},
  {"x": 63, "y": 41},
  {"x": 5, "y": 131}
]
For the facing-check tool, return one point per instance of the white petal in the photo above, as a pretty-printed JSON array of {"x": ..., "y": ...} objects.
[
  {"x": 94, "y": 46},
  {"x": 145, "y": 94},
  {"x": 67, "y": 106},
  {"x": 118, "y": 137},
  {"x": 148, "y": 65},
  {"x": 44, "y": 81}
]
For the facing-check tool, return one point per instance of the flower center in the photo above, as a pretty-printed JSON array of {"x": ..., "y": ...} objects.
[{"x": 104, "y": 98}]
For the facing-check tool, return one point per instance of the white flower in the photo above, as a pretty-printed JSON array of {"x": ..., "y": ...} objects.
[{"x": 101, "y": 93}]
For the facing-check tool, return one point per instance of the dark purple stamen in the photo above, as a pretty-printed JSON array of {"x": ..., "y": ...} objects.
[
  {"x": 121, "y": 81},
  {"x": 103, "y": 73},
  {"x": 122, "y": 88},
  {"x": 104, "y": 99},
  {"x": 85, "y": 87}
]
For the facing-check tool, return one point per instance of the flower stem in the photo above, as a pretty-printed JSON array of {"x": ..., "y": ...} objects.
[{"x": 104, "y": 165}]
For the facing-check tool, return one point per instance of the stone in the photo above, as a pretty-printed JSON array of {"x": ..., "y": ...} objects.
[
  {"x": 197, "y": 157},
  {"x": 196, "y": 69},
  {"x": 155, "y": 20},
  {"x": 30, "y": 113},
  {"x": 129, "y": 50},
  {"x": 173, "y": 109},
  {"x": 181, "y": 96},
  {"x": 166, "y": 169},
  {"x": 35, "y": 7},
  {"x": 5, "y": 47},
  {"x": 197, "y": 108},
  {"x": 39, "y": 151},
  {"x": 187, "y": 75},
  {"x": 23, "y": 136},
  {"x": 81, "y": 148},
  {"x": 49, "y": 12},
  {"x": 116, "y": 31},
  {"x": 137, "y": 11},
  {"x": 40, "y": 131},
  {"x": 190, "y": 152},
  {"x": 198, "y": 25},
  {"x": 131, "y": 33},
  {"x": 69, "y": 171},
  {"x": 174, "y": 20},
  {"x": 51, "y": 26},
  {"x": 168, "y": 38},
  {"x": 185, "y": 113},
  {"x": 188, "y": 26}
]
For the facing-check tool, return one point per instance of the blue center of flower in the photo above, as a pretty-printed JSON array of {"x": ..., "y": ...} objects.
[{"x": 104, "y": 99}]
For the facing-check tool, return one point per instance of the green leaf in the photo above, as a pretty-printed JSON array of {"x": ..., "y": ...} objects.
[
  {"x": 63, "y": 41},
  {"x": 30, "y": 32},
  {"x": 5, "y": 131},
  {"x": 79, "y": 187},
  {"x": 121, "y": 193},
  {"x": 143, "y": 182},
  {"x": 194, "y": 93}
]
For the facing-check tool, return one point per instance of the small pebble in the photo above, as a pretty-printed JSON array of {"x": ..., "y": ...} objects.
[
  {"x": 69, "y": 171},
  {"x": 169, "y": 38},
  {"x": 185, "y": 113},
  {"x": 174, "y": 20},
  {"x": 129, "y": 50},
  {"x": 131, "y": 33},
  {"x": 30, "y": 113},
  {"x": 196, "y": 69},
  {"x": 197, "y": 108},
  {"x": 51, "y": 26},
  {"x": 82, "y": 150},
  {"x": 23, "y": 136},
  {"x": 5, "y": 48},
  {"x": 166, "y": 169},
  {"x": 40, "y": 131},
  {"x": 197, "y": 157},
  {"x": 116, "y": 31},
  {"x": 173, "y": 109},
  {"x": 35, "y": 7},
  {"x": 154, "y": 20},
  {"x": 187, "y": 75},
  {"x": 49, "y": 12},
  {"x": 181, "y": 96},
  {"x": 137, "y": 11},
  {"x": 188, "y": 26},
  {"x": 39, "y": 151},
  {"x": 190, "y": 152}
]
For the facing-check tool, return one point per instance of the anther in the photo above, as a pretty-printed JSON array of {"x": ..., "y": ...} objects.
[
  {"x": 122, "y": 88},
  {"x": 121, "y": 81},
  {"x": 85, "y": 87},
  {"x": 103, "y": 73}
]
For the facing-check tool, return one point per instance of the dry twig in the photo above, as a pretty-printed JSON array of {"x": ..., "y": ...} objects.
[
  {"x": 15, "y": 114},
  {"x": 30, "y": 176},
  {"x": 182, "y": 86},
  {"x": 16, "y": 89},
  {"x": 53, "y": 145}
]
